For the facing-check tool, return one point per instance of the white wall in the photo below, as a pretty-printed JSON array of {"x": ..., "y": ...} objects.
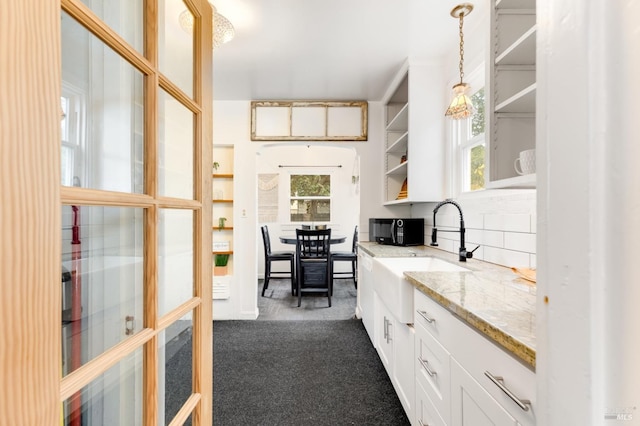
[{"x": 232, "y": 122}]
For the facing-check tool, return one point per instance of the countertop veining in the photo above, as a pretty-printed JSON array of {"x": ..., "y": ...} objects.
[{"x": 488, "y": 297}]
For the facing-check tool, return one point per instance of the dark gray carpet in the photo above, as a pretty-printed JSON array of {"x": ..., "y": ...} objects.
[{"x": 298, "y": 372}]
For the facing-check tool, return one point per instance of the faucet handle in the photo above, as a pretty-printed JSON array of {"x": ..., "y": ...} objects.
[{"x": 469, "y": 254}]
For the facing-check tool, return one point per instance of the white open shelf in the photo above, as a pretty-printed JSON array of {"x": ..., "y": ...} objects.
[
  {"x": 523, "y": 101},
  {"x": 515, "y": 4},
  {"x": 521, "y": 52},
  {"x": 400, "y": 145},
  {"x": 401, "y": 121},
  {"x": 524, "y": 181},
  {"x": 399, "y": 169}
]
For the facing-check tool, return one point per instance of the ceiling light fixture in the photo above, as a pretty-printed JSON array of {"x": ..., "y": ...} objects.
[
  {"x": 461, "y": 106},
  {"x": 223, "y": 30}
]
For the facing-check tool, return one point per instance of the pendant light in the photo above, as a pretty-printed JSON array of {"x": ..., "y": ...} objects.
[
  {"x": 223, "y": 30},
  {"x": 461, "y": 106}
]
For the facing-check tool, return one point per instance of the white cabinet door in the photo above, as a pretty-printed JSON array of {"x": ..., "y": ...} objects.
[
  {"x": 365, "y": 292},
  {"x": 384, "y": 334},
  {"x": 471, "y": 404},
  {"x": 425, "y": 412},
  {"x": 404, "y": 378}
]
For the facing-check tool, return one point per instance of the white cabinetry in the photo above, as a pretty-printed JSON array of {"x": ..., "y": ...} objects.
[
  {"x": 414, "y": 135},
  {"x": 394, "y": 342},
  {"x": 365, "y": 292},
  {"x": 455, "y": 377},
  {"x": 512, "y": 90}
]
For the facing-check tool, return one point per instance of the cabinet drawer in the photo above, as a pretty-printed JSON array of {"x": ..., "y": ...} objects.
[
  {"x": 479, "y": 355},
  {"x": 432, "y": 366},
  {"x": 434, "y": 318},
  {"x": 426, "y": 413}
]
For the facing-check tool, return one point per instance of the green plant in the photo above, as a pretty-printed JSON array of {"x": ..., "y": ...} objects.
[
  {"x": 221, "y": 259},
  {"x": 216, "y": 165},
  {"x": 221, "y": 221}
]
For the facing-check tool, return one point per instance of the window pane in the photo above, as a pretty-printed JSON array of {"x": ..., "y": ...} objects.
[
  {"x": 122, "y": 16},
  {"x": 304, "y": 210},
  {"x": 476, "y": 167},
  {"x": 101, "y": 283},
  {"x": 175, "y": 44},
  {"x": 176, "y": 368},
  {"x": 310, "y": 185},
  {"x": 114, "y": 398},
  {"x": 175, "y": 261},
  {"x": 175, "y": 137},
  {"x": 477, "y": 121},
  {"x": 102, "y": 120}
]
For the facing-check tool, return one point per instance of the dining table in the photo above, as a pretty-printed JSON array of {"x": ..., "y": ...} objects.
[{"x": 291, "y": 239}]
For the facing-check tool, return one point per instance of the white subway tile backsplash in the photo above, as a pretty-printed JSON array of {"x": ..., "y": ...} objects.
[
  {"x": 534, "y": 223},
  {"x": 474, "y": 221},
  {"x": 506, "y": 257},
  {"x": 487, "y": 238},
  {"x": 503, "y": 224},
  {"x": 508, "y": 222},
  {"x": 520, "y": 241}
]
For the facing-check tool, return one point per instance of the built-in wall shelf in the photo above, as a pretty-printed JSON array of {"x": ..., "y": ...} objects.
[
  {"x": 223, "y": 194},
  {"x": 525, "y": 181},
  {"x": 414, "y": 132},
  {"x": 523, "y": 101},
  {"x": 516, "y": 4},
  {"x": 511, "y": 92},
  {"x": 399, "y": 169},
  {"x": 401, "y": 121},
  {"x": 521, "y": 52},
  {"x": 400, "y": 145}
]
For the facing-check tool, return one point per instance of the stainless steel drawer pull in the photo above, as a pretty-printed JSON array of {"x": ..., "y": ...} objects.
[
  {"x": 524, "y": 404},
  {"x": 425, "y": 365},
  {"x": 423, "y": 314}
]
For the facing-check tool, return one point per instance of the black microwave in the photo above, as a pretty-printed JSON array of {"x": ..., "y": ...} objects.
[{"x": 397, "y": 232}]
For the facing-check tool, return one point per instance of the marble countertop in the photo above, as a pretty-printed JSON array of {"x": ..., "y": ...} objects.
[{"x": 490, "y": 298}]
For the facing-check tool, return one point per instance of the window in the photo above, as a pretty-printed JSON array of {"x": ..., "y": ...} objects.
[
  {"x": 310, "y": 198},
  {"x": 71, "y": 134},
  {"x": 469, "y": 144}
]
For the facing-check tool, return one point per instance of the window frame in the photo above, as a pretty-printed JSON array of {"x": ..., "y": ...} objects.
[
  {"x": 462, "y": 141},
  {"x": 291, "y": 198}
]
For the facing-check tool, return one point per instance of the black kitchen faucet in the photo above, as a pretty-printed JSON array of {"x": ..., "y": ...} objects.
[{"x": 463, "y": 254}]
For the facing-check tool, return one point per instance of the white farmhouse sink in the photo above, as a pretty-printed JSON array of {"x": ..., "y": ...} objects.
[{"x": 392, "y": 287}]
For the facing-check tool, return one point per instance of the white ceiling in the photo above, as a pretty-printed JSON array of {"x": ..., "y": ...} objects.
[{"x": 328, "y": 49}]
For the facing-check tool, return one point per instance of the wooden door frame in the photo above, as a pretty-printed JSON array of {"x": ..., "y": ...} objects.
[{"x": 30, "y": 215}]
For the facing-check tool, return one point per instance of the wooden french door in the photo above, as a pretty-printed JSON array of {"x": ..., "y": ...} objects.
[{"x": 104, "y": 246}]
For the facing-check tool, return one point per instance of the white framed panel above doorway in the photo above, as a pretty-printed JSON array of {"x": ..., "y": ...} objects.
[{"x": 309, "y": 120}]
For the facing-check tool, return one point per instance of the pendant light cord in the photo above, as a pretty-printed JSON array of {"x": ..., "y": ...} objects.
[{"x": 461, "y": 47}]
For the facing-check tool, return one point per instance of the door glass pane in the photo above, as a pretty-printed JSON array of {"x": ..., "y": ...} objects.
[
  {"x": 114, "y": 398},
  {"x": 175, "y": 151},
  {"x": 104, "y": 119},
  {"x": 175, "y": 262},
  {"x": 101, "y": 282},
  {"x": 122, "y": 16},
  {"x": 176, "y": 368},
  {"x": 175, "y": 44}
]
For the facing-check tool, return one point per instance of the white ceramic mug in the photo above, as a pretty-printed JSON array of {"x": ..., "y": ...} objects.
[{"x": 527, "y": 160}]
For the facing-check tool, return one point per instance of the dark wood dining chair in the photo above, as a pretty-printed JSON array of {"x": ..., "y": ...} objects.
[
  {"x": 313, "y": 262},
  {"x": 347, "y": 256},
  {"x": 276, "y": 256}
]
